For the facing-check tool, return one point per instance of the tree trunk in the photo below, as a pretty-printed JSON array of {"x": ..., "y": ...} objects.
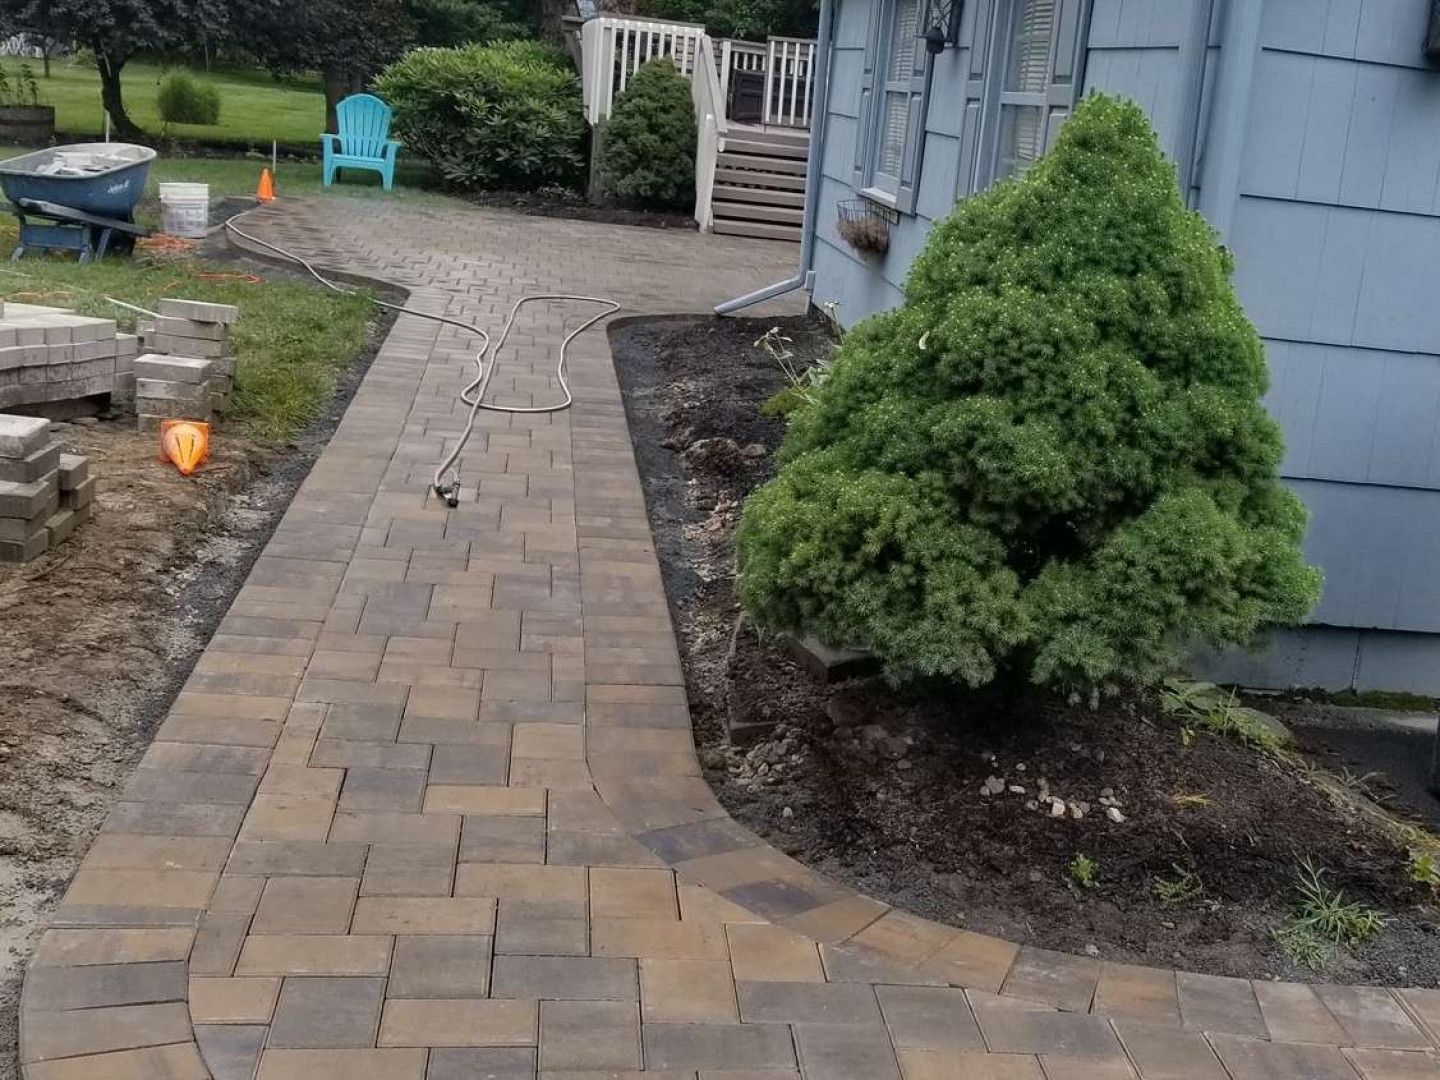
[
  {"x": 112, "y": 98},
  {"x": 552, "y": 29},
  {"x": 340, "y": 83}
]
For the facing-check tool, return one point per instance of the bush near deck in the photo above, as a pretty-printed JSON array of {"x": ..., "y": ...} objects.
[
  {"x": 1051, "y": 462},
  {"x": 649, "y": 142},
  {"x": 507, "y": 115}
]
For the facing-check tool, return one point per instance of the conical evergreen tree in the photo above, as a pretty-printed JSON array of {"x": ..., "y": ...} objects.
[{"x": 1051, "y": 459}]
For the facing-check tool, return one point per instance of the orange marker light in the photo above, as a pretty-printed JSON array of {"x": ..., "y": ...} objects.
[{"x": 185, "y": 443}]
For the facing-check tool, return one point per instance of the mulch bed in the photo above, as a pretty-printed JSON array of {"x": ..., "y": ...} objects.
[{"x": 886, "y": 789}]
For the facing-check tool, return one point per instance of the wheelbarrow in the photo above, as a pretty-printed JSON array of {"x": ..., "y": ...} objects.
[{"x": 83, "y": 196}]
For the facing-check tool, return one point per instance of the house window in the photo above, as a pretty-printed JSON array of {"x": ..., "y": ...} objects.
[
  {"x": 1024, "y": 91},
  {"x": 901, "y": 29}
]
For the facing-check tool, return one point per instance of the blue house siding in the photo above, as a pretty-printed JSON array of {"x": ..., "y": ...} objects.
[{"x": 1315, "y": 148}]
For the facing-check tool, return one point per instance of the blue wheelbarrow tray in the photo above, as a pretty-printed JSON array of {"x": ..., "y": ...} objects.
[{"x": 83, "y": 209}]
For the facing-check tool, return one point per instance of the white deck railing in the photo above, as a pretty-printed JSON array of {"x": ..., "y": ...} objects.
[
  {"x": 739, "y": 56},
  {"x": 711, "y": 127},
  {"x": 789, "y": 81},
  {"x": 614, "y": 47}
]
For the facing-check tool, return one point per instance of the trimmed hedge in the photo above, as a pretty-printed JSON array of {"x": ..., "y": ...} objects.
[
  {"x": 501, "y": 116},
  {"x": 1051, "y": 461},
  {"x": 451, "y": 23}
]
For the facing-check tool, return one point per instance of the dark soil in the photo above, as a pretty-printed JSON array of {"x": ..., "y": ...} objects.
[
  {"x": 1385, "y": 753},
  {"x": 882, "y": 789},
  {"x": 568, "y": 204}
]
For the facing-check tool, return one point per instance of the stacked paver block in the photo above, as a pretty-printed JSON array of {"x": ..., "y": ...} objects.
[
  {"x": 50, "y": 354},
  {"x": 173, "y": 387},
  {"x": 44, "y": 494},
  {"x": 189, "y": 370}
]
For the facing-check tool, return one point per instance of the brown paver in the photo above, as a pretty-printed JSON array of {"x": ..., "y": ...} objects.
[{"x": 428, "y": 808}]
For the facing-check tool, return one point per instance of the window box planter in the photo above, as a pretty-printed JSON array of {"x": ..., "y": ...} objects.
[{"x": 865, "y": 226}]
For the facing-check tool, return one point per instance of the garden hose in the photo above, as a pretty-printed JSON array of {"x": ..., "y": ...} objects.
[{"x": 446, "y": 481}]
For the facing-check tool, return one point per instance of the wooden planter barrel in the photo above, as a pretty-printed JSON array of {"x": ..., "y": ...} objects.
[{"x": 29, "y": 125}]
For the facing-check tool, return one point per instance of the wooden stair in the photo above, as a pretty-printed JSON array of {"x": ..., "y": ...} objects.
[{"x": 760, "y": 183}]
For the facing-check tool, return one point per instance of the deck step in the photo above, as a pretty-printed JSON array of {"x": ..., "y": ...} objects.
[
  {"x": 755, "y": 178},
  {"x": 762, "y": 163},
  {"x": 769, "y": 196},
  {"x": 740, "y": 145},
  {"x": 735, "y": 211},
  {"x": 776, "y": 136},
  {"x": 759, "y": 229}
]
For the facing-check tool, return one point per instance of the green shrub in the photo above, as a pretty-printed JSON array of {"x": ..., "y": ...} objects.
[
  {"x": 649, "y": 140},
  {"x": 449, "y": 23},
  {"x": 1051, "y": 460},
  {"x": 506, "y": 115},
  {"x": 184, "y": 99}
]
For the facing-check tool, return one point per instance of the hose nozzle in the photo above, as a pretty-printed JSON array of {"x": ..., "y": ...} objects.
[{"x": 449, "y": 493}]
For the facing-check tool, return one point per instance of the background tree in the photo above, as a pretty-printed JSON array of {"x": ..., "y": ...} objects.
[
  {"x": 1051, "y": 460},
  {"x": 450, "y": 23},
  {"x": 751, "y": 20},
  {"x": 346, "y": 41},
  {"x": 115, "y": 31}
]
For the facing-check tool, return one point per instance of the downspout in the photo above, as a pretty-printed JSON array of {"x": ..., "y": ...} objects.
[
  {"x": 1224, "y": 139},
  {"x": 803, "y": 278}
]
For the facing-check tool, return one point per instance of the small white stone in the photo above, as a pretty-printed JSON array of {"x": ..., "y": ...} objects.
[
  {"x": 787, "y": 813},
  {"x": 1057, "y": 808},
  {"x": 1092, "y": 950},
  {"x": 1017, "y": 789},
  {"x": 1114, "y": 814}
]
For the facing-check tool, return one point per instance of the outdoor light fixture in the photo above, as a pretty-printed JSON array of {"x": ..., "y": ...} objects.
[{"x": 943, "y": 25}]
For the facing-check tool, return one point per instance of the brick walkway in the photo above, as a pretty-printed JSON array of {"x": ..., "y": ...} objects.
[{"x": 428, "y": 806}]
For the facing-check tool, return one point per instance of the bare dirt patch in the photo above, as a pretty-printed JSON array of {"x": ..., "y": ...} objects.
[
  {"x": 938, "y": 800},
  {"x": 97, "y": 636}
]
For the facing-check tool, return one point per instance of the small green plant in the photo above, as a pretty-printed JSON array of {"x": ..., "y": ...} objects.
[
  {"x": 1424, "y": 870},
  {"x": 1324, "y": 923},
  {"x": 21, "y": 90},
  {"x": 648, "y": 145},
  {"x": 1184, "y": 887},
  {"x": 1083, "y": 871},
  {"x": 804, "y": 381},
  {"x": 1187, "y": 800},
  {"x": 1215, "y": 710},
  {"x": 184, "y": 99}
]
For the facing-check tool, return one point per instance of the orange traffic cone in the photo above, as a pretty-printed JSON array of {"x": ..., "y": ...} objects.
[
  {"x": 185, "y": 444},
  {"x": 265, "y": 190}
]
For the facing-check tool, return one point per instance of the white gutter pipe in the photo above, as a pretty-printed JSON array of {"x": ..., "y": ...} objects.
[{"x": 804, "y": 276}]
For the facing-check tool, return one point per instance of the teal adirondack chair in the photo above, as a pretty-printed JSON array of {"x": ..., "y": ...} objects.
[{"x": 363, "y": 142}]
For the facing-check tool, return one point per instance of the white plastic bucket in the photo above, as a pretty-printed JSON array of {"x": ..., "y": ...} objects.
[{"x": 185, "y": 209}]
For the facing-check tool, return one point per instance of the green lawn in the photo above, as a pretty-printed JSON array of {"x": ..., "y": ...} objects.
[
  {"x": 238, "y": 176},
  {"x": 254, "y": 107},
  {"x": 292, "y": 342}
]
